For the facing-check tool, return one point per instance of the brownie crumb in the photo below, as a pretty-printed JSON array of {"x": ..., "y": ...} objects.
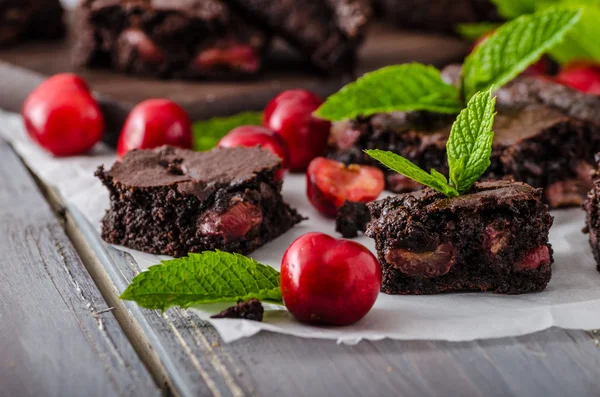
[
  {"x": 250, "y": 310},
  {"x": 351, "y": 218}
]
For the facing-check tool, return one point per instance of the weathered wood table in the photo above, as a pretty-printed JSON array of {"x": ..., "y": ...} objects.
[{"x": 64, "y": 332}]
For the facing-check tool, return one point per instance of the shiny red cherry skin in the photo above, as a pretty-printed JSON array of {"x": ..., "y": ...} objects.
[
  {"x": 289, "y": 114},
  {"x": 329, "y": 281},
  {"x": 62, "y": 116},
  {"x": 252, "y": 135},
  {"x": 582, "y": 76},
  {"x": 329, "y": 183},
  {"x": 153, "y": 123}
]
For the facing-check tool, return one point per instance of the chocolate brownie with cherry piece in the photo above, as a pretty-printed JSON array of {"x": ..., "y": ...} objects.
[
  {"x": 546, "y": 135},
  {"x": 40, "y": 19},
  {"x": 327, "y": 32},
  {"x": 168, "y": 38},
  {"x": 174, "y": 201},
  {"x": 494, "y": 238}
]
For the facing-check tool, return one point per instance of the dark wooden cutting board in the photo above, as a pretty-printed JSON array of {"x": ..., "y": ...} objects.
[{"x": 24, "y": 66}]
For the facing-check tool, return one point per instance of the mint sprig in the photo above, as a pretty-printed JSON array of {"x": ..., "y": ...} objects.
[
  {"x": 469, "y": 146},
  {"x": 208, "y": 133},
  {"x": 404, "y": 87},
  {"x": 204, "y": 278},
  {"x": 469, "y": 149},
  {"x": 514, "y": 47}
]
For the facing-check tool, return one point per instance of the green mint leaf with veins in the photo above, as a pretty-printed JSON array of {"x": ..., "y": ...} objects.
[
  {"x": 407, "y": 87},
  {"x": 208, "y": 133},
  {"x": 514, "y": 47},
  {"x": 475, "y": 30},
  {"x": 469, "y": 146},
  {"x": 581, "y": 42},
  {"x": 401, "y": 165},
  {"x": 204, "y": 278}
]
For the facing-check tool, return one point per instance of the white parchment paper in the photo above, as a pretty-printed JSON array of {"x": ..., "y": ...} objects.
[{"x": 572, "y": 299}]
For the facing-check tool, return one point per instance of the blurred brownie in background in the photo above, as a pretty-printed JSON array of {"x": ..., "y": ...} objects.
[
  {"x": 168, "y": 38},
  {"x": 327, "y": 32},
  {"x": 436, "y": 15},
  {"x": 30, "y": 19}
]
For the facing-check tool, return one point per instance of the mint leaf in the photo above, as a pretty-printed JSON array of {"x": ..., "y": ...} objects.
[
  {"x": 204, "y": 278},
  {"x": 582, "y": 41},
  {"x": 405, "y": 87},
  {"x": 208, "y": 133},
  {"x": 475, "y": 30},
  {"x": 515, "y": 46},
  {"x": 469, "y": 146},
  {"x": 399, "y": 164},
  {"x": 510, "y": 9}
]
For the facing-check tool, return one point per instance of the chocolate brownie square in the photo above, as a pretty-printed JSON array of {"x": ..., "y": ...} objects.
[
  {"x": 175, "y": 201},
  {"x": 494, "y": 238},
  {"x": 327, "y": 32},
  {"x": 546, "y": 135},
  {"x": 168, "y": 38},
  {"x": 41, "y": 19},
  {"x": 436, "y": 15}
]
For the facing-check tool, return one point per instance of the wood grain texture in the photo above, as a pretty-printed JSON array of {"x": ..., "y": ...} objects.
[
  {"x": 551, "y": 363},
  {"x": 24, "y": 66},
  {"x": 58, "y": 337}
]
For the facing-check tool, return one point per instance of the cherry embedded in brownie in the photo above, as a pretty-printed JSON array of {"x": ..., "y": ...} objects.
[
  {"x": 494, "y": 238},
  {"x": 161, "y": 38},
  {"x": 175, "y": 201},
  {"x": 546, "y": 136}
]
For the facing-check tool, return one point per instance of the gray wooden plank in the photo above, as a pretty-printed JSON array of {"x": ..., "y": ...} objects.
[
  {"x": 58, "y": 337},
  {"x": 181, "y": 348},
  {"x": 551, "y": 363}
]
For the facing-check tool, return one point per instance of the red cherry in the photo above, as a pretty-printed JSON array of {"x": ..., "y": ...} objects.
[
  {"x": 290, "y": 115},
  {"x": 329, "y": 281},
  {"x": 154, "y": 123},
  {"x": 329, "y": 183},
  {"x": 62, "y": 116},
  {"x": 251, "y": 135},
  {"x": 582, "y": 76}
]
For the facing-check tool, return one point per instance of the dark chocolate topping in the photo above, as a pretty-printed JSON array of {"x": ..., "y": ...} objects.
[
  {"x": 192, "y": 171},
  {"x": 483, "y": 195}
]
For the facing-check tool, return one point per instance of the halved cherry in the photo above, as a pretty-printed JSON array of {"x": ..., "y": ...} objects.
[{"x": 329, "y": 183}]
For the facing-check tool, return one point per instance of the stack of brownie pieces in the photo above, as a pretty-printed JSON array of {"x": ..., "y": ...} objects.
[
  {"x": 30, "y": 18},
  {"x": 546, "y": 135},
  {"x": 216, "y": 38}
]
